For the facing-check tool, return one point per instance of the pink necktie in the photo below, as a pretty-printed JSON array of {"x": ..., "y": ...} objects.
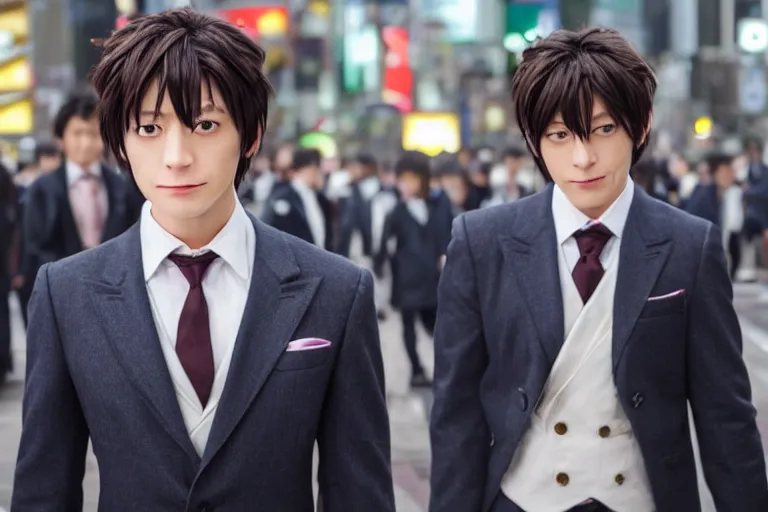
[{"x": 87, "y": 209}]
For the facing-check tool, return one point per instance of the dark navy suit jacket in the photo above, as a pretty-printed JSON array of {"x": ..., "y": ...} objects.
[
  {"x": 95, "y": 369},
  {"x": 500, "y": 328}
]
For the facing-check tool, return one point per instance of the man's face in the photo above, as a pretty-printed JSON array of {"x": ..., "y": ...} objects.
[
  {"x": 724, "y": 176},
  {"x": 592, "y": 173},
  {"x": 456, "y": 188},
  {"x": 81, "y": 141},
  {"x": 409, "y": 185},
  {"x": 512, "y": 164},
  {"x": 187, "y": 174},
  {"x": 49, "y": 163},
  {"x": 356, "y": 171}
]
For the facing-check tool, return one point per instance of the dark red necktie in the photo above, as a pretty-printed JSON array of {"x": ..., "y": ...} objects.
[
  {"x": 589, "y": 270},
  {"x": 193, "y": 338}
]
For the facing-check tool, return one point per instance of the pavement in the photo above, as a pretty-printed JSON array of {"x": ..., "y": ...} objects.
[{"x": 408, "y": 410}]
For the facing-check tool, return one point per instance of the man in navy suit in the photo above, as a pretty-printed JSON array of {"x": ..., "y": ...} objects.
[
  {"x": 575, "y": 326},
  {"x": 202, "y": 352}
]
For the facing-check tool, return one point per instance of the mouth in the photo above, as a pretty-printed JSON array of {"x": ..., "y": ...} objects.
[
  {"x": 180, "y": 188},
  {"x": 587, "y": 182}
]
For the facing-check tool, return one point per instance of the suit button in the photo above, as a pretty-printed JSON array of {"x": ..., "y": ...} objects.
[
  {"x": 637, "y": 400},
  {"x": 604, "y": 431},
  {"x": 619, "y": 479},
  {"x": 523, "y": 399},
  {"x": 562, "y": 479},
  {"x": 561, "y": 428}
]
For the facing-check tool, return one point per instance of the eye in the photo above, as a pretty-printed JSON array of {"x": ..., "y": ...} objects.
[
  {"x": 148, "y": 130},
  {"x": 606, "y": 129},
  {"x": 557, "y": 136},
  {"x": 206, "y": 126}
]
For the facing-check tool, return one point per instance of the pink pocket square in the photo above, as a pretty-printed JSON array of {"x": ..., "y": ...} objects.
[
  {"x": 667, "y": 296},
  {"x": 307, "y": 344}
]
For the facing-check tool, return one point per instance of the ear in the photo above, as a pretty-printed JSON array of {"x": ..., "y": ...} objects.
[
  {"x": 531, "y": 147},
  {"x": 647, "y": 130},
  {"x": 254, "y": 147}
]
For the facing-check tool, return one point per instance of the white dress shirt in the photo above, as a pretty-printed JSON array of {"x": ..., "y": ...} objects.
[
  {"x": 74, "y": 172},
  {"x": 225, "y": 286},
  {"x": 568, "y": 220},
  {"x": 314, "y": 214}
]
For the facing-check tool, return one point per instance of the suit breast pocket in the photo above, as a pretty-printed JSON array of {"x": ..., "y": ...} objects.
[
  {"x": 304, "y": 359},
  {"x": 667, "y": 307}
]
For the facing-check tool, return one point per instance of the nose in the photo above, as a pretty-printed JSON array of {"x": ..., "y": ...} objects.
[
  {"x": 177, "y": 154},
  {"x": 583, "y": 156}
]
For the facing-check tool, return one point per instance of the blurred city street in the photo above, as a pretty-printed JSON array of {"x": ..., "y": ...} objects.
[{"x": 408, "y": 410}]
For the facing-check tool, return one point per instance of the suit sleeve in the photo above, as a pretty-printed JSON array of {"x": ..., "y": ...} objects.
[
  {"x": 355, "y": 471},
  {"x": 54, "y": 437},
  {"x": 459, "y": 433},
  {"x": 36, "y": 229},
  {"x": 719, "y": 390}
]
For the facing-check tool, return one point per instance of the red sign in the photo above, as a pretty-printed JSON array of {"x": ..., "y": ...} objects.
[
  {"x": 398, "y": 77},
  {"x": 262, "y": 21}
]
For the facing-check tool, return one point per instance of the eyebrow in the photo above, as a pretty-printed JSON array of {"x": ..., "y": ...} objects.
[
  {"x": 597, "y": 117},
  {"x": 205, "y": 109}
]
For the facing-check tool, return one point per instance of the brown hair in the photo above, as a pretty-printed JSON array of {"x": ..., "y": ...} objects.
[
  {"x": 183, "y": 50},
  {"x": 564, "y": 72}
]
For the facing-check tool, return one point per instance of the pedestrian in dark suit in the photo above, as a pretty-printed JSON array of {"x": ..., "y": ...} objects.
[
  {"x": 421, "y": 228},
  {"x": 575, "y": 326},
  {"x": 83, "y": 202},
  {"x": 202, "y": 352},
  {"x": 299, "y": 207}
]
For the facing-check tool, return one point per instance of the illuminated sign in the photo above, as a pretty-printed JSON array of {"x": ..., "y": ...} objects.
[
  {"x": 431, "y": 132},
  {"x": 261, "y": 21}
]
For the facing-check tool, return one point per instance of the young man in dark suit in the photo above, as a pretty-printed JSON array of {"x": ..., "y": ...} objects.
[
  {"x": 82, "y": 203},
  {"x": 575, "y": 326},
  {"x": 202, "y": 352}
]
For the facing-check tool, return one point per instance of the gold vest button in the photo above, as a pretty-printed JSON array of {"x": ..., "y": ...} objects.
[
  {"x": 561, "y": 428},
  {"x": 604, "y": 431},
  {"x": 562, "y": 479},
  {"x": 619, "y": 479}
]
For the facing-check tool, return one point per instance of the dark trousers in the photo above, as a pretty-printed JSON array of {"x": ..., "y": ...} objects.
[
  {"x": 6, "y": 363},
  {"x": 428, "y": 317},
  {"x": 503, "y": 504},
  {"x": 734, "y": 252}
]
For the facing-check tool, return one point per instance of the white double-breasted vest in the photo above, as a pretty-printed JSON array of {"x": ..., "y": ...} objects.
[{"x": 580, "y": 443}]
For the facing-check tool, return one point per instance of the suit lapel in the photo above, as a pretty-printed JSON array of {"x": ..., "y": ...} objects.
[
  {"x": 531, "y": 254},
  {"x": 115, "y": 202},
  {"x": 122, "y": 306},
  {"x": 277, "y": 300},
  {"x": 65, "y": 207},
  {"x": 645, "y": 247}
]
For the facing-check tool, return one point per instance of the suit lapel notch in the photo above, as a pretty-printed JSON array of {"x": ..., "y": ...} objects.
[
  {"x": 532, "y": 256},
  {"x": 645, "y": 248},
  {"x": 277, "y": 301},
  {"x": 119, "y": 300}
]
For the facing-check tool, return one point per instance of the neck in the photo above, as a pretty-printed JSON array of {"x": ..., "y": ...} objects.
[
  {"x": 304, "y": 180},
  {"x": 198, "y": 232}
]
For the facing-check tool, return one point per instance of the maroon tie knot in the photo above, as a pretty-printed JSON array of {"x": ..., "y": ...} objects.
[
  {"x": 193, "y": 267},
  {"x": 589, "y": 270}
]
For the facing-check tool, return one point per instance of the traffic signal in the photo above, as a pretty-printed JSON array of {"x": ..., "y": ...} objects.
[
  {"x": 16, "y": 107},
  {"x": 521, "y": 25}
]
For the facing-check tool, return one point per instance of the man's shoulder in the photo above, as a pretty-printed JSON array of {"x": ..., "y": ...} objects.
[
  {"x": 494, "y": 220},
  {"x": 678, "y": 223},
  {"x": 88, "y": 264},
  {"x": 313, "y": 261}
]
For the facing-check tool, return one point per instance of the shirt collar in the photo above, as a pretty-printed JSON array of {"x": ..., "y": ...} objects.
[
  {"x": 231, "y": 243},
  {"x": 74, "y": 171},
  {"x": 568, "y": 219}
]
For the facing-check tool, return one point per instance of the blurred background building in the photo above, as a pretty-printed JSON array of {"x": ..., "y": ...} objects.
[{"x": 363, "y": 71}]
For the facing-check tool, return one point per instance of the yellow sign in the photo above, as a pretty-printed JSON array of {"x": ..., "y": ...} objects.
[
  {"x": 431, "y": 132},
  {"x": 15, "y": 21},
  {"x": 17, "y": 118},
  {"x": 15, "y": 76},
  {"x": 702, "y": 127}
]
